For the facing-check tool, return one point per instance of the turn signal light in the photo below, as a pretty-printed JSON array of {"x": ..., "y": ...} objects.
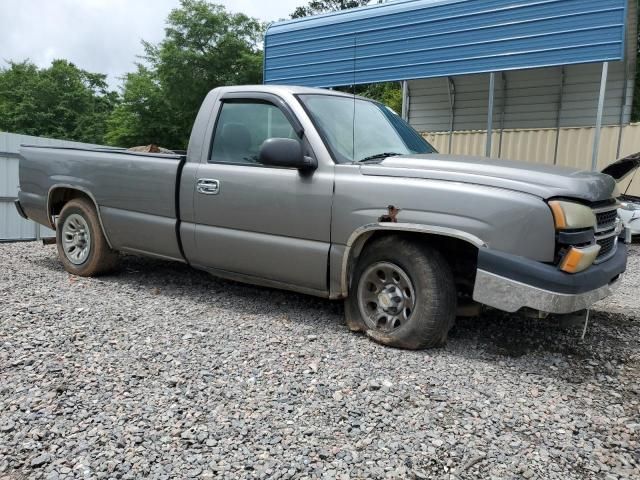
[
  {"x": 558, "y": 215},
  {"x": 579, "y": 259}
]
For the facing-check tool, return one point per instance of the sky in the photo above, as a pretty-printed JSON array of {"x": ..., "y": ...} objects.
[{"x": 101, "y": 36}]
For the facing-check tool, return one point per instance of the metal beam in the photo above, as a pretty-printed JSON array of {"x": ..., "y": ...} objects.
[
  {"x": 558, "y": 112},
  {"x": 492, "y": 83},
  {"x": 451, "y": 89},
  {"x": 596, "y": 140},
  {"x": 405, "y": 100},
  {"x": 623, "y": 107},
  {"x": 503, "y": 79}
]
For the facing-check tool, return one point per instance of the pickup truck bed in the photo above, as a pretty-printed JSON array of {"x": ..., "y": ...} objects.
[{"x": 137, "y": 193}]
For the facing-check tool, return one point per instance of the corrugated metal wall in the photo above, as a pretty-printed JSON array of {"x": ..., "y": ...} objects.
[
  {"x": 533, "y": 98},
  {"x": 435, "y": 38},
  {"x": 538, "y": 145},
  {"x": 12, "y": 226},
  {"x": 528, "y": 98}
]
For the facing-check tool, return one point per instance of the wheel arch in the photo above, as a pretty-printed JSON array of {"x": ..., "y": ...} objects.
[
  {"x": 365, "y": 234},
  {"x": 60, "y": 194}
]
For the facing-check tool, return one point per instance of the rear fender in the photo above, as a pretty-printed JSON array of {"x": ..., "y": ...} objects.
[{"x": 66, "y": 187}]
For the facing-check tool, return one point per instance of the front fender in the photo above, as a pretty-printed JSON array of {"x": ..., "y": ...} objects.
[
  {"x": 342, "y": 256},
  {"x": 505, "y": 220}
]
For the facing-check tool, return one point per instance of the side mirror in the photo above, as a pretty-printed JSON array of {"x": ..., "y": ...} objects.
[{"x": 285, "y": 152}]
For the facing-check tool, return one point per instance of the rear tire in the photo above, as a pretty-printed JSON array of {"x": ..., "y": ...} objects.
[
  {"x": 402, "y": 295},
  {"x": 82, "y": 247}
]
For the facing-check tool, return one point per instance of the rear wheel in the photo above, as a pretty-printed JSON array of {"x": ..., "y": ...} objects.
[
  {"x": 82, "y": 247},
  {"x": 402, "y": 295}
]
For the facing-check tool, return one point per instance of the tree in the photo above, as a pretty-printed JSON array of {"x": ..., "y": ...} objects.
[
  {"x": 316, "y": 7},
  {"x": 144, "y": 115},
  {"x": 389, "y": 93},
  {"x": 204, "y": 47},
  {"x": 61, "y": 101}
]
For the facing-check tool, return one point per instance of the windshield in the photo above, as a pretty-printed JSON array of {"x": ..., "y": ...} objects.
[{"x": 356, "y": 129}]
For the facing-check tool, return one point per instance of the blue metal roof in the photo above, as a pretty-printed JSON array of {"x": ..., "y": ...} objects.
[{"x": 426, "y": 38}]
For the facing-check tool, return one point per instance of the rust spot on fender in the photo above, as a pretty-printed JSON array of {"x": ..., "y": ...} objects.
[{"x": 391, "y": 215}]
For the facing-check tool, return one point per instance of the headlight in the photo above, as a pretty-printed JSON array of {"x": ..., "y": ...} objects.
[{"x": 569, "y": 215}]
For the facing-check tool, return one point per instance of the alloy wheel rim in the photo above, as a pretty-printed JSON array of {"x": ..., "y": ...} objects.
[
  {"x": 76, "y": 239},
  {"x": 386, "y": 297}
]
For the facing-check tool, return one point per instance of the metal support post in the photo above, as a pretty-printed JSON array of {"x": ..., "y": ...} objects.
[
  {"x": 492, "y": 83},
  {"x": 596, "y": 140}
]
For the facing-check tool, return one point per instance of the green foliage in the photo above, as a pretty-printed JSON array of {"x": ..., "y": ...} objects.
[
  {"x": 204, "y": 47},
  {"x": 316, "y": 7},
  {"x": 389, "y": 93},
  {"x": 61, "y": 101},
  {"x": 144, "y": 115}
]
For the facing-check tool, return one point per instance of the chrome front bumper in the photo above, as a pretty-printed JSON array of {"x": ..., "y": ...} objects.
[
  {"x": 510, "y": 295},
  {"x": 510, "y": 282}
]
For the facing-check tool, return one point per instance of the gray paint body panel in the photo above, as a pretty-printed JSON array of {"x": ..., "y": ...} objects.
[
  {"x": 293, "y": 261},
  {"x": 279, "y": 227},
  {"x": 494, "y": 215},
  {"x": 141, "y": 232},
  {"x": 278, "y": 218},
  {"x": 543, "y": 181},
  {"x": 125, "y": 186}
]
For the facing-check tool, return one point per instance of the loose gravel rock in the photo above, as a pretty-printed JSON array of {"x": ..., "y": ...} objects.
[{"x": 161, "y": 371}]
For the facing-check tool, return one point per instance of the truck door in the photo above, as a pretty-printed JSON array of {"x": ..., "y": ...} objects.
[{"x": 254, "y": 220}]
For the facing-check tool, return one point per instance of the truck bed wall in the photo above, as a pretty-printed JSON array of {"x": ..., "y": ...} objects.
[{"x": 135, "y": 193}]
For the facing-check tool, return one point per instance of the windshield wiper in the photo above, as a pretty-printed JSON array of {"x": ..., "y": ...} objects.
[{"x": 378, "y": 156}]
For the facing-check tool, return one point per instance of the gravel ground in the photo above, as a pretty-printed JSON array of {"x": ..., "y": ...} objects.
[{"x": 165, "y": 372}]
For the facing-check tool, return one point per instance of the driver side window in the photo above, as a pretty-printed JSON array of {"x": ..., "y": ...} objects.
[{"x": 241, "y": 129}]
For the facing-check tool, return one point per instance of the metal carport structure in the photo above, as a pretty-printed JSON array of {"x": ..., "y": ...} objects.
[{"x": 421, "y": 39}]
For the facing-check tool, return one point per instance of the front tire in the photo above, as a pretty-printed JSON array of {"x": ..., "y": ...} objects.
[
  {"x": 402, "y": 295},
  {"x": 82, "y": 247}
]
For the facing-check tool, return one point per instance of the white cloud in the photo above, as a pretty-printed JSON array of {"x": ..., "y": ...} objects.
[{"x": 100, "y": 35}]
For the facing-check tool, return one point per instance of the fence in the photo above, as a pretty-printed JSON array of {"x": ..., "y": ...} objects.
[
  {"x": 12, "y": 226},
  {"x": 573, "y": 149},
  {"x": 539, "y": 145}
]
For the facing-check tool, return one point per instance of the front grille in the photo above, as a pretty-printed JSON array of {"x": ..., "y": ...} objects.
[
  {"x": 606, "y": 246},
  {"x": 606, "y": 219},
  {"x": 606, "y": 231},
  {"x": 604, "y": 234}
]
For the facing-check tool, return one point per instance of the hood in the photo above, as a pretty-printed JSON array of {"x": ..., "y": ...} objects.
[
  {"x": 623, "y": 167},
  {"x": 544, "y": 181}
]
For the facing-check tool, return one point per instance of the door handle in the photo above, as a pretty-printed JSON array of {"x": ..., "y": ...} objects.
[{"x": 208, "y": 186}]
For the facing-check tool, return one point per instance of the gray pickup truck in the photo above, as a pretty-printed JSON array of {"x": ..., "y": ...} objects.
[{"x": 336, "y": 196}]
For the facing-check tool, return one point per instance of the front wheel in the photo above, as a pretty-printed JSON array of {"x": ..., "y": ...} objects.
[
  {"x": 403, "y": 294},
  {"x": 82, "y": 246}
]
